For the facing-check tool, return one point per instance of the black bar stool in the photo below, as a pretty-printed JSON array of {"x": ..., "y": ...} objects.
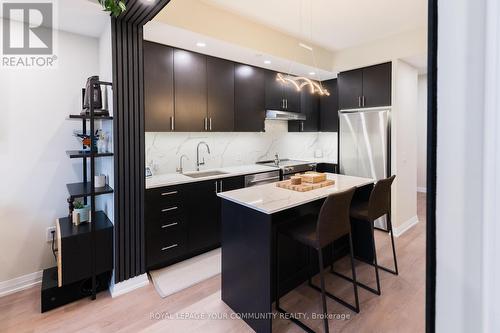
[
  {"x": 318, "y": 231},
  {"x": 378, "y": 205}
]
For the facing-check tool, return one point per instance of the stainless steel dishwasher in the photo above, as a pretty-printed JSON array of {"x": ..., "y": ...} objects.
[{"x": 262, "y": 178}]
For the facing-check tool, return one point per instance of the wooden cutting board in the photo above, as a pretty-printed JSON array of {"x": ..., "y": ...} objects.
[{"x": 304, "y": 187}]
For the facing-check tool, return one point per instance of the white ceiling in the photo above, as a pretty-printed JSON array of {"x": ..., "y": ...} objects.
[
  {"x": 170, "y": 35},
  {"x": 336, "y": 24}
]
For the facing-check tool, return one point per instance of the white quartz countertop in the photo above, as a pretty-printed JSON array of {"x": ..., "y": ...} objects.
[
  {"x": 269, "y": 198},
  {"x": 169, "y": 179}
]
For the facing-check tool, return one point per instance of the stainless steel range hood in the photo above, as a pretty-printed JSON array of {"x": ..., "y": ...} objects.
[{"x": 283, "y": 115}]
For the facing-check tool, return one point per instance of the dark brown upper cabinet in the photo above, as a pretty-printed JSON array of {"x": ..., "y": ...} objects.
[
  {"x": 365, "y": 87},
  {"x": 309, "y": 105},
  {"x": 249, "y": 101},
  {"x": 350, "y": 85},
  {"x": 220, "y": 96},
  {"x": 329, "y": 107},
  {"x": 190, "y": 91},
  {"x": 281, "y": 96},
  {"x": 158, "y": 87},
  {"x": 377, "y": 85}
]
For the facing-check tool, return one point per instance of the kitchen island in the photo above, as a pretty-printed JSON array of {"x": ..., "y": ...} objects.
[{"x": 250, "y": 219}]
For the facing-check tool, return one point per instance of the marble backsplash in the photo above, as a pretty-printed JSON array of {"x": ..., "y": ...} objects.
[{"x": 163, "y": 150}]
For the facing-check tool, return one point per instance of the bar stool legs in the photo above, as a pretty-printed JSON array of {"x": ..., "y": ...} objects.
[
  {"x": 354, "y": 308},
  {"x": 375, "y": 265},
  {"x": 395, "y": 271},
  {"x": 323, "y": 298}
]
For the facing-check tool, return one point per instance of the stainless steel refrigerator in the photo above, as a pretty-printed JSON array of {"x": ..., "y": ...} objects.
[{"x": 364, "y": 144}]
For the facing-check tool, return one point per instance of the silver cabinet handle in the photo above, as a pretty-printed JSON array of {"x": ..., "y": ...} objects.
[
  {"x": 220, "y": 186},
  {"x": 359, "y": 101},
  {"x": 302, "y": 126},
  {"x": 169, "y": 225},
  {"x": 210, "y": 123},
  {"x": 216, "y": 188},
  {"x": 286, "y": 104},
  {"x": 168, "y": 209},
  {"x": 169, "y": 247},
  {"x": 169, "y": 193},
  {"x": 205, "y": 123},
  {"x": 363, "y": 100},
  {"x": 171, "y": 123}
]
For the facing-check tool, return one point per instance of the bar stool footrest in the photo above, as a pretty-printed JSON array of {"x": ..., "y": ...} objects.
[
  {"x": 362, "y": 285},
  {"x": 335, "y": 298},
  {"x": 295, "y": 321}
]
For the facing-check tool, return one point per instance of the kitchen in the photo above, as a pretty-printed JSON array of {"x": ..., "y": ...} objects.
[
  {"x": 225, "y": 131},
  {"x": 217, "y": 127}
]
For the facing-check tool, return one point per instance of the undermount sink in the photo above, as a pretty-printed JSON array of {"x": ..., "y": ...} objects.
[{"x": 201, "y": 174}]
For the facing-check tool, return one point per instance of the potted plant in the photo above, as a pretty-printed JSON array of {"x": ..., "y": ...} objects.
[
  {"x": 115, "y": 7},
  {"x": 81, "y": 213}
]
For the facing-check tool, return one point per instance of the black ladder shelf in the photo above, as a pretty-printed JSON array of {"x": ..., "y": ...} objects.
[{"x": 86, "y": 189}]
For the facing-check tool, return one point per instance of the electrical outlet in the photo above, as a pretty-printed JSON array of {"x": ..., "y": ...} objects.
[{"x": 49, "y": 233}]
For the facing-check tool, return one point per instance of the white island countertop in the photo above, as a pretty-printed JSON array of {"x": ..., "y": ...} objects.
[
  {"x": 169, "y": 179},
  {"x": 269, "y": 198}
]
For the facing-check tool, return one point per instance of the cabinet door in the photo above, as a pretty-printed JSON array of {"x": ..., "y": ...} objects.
[
  {"x": 350, "y": 87},
  {"x": 220, "y": 77},
  {"x": 190, "y": 81},
  {"x": 292, "y": 98},
  {"x": 158, "y": 87},
  {"x": 204, "y": 226},
  {"x": 274, "y": 93},
  {"x": 329, "y": 107},
  {"x": 249, "y": 102},
  {"x": 377, "y": 85},
  {"x": 310, "y": 108}
]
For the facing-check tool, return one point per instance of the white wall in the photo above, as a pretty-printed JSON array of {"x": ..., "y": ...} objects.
[
  {"x": 459, "y": 176},
  {"x": 422, "y": 133},
  {"x": 404, "y": 143},
  {"x": 232, "y": 149},
  {"x": 106, "y": 165},
  {"x": 34, "y": 168}
]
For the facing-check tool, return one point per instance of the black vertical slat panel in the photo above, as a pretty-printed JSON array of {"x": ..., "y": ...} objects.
[
  {"x": 137, "y": 159},
  {"x": 128, "y": 127},
  {"x": 126, "y": 153},
  {"x": 131, "y": 139},
  {"x": 142, "y": 157}
]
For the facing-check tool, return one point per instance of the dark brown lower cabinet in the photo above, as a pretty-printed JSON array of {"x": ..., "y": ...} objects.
[
  {"x": 203, "y": 229},
  {"x": 184, "y": 220}
]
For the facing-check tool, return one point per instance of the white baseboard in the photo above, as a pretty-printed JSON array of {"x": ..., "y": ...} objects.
[
  {"x": 20, "y": 283},
  {"x": 127, "y": 286},
  {"x": 399, "y": 230},
  {"x": 422, "y": 189}
]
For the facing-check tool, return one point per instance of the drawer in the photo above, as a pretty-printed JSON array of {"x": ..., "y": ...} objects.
[
  {"x": 165, "y": 196},
  {"x": 170, "y": 223},
  {"x": 163, "y": 247}
]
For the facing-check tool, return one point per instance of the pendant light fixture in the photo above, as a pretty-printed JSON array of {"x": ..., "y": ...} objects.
[{"x": 299, "y": 82}]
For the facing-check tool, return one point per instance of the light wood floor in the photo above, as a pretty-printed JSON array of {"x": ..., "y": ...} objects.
[{"x": 399, "y": 309}]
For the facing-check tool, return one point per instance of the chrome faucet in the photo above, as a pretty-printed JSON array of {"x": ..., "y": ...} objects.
[
  {"x": 180, "y": 169},
  {"x": 277, "y": 159},
  {"x": 198, "y": 163}
]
